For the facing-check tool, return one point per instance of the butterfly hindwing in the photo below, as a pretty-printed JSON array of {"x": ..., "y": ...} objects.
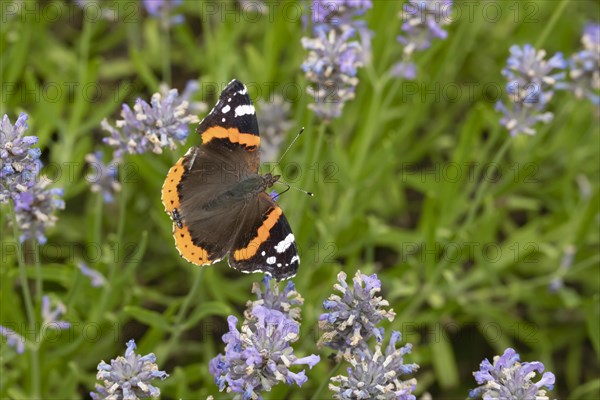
[{"x": 265, "y": 242}]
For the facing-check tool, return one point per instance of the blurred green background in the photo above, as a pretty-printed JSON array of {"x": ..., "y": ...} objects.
[{"x": 404, "y": 180}]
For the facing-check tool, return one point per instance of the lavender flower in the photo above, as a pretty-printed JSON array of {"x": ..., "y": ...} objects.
[
  {"x": 150, "y": 127},
  {"x": 507, "y": 378},
  {"x": 405, "y": 69},
  {"x": 35, "y": 209},
  {"x": 334, "y": 55},
  {"x": 191, "y": 87},
  {"x": 163, "y": 9},
  {"x": 339, "y": 14},
  {"x": 128, "y": 377},
  {"x": 273, "y": 123},
  {"x": 257, "y": 6},
  {"x": 19, "y": 161},
  {"x": 259, "y": 357},
  {"x": 97, "y": 6},
  {"x": 103, "y": 177},
  {"x": 274, "y": 195},
  {"x": 287, "y": 302},
  {"x": 352, "y": 317},
  {"x": 584, "y": 66},
  {"x": 331, "y": 67},
  {"x": 51, "y": 316},
  {"x": 530, "y": 85},
  {"x": 422, "y": 23},
  {"x": 96, "y": 278},
  {"x": 375, "y": 375},
  {"x": 13, "y": 339}
]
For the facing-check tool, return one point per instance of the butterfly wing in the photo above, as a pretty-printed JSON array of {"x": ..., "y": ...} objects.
[
  {"x": 204, "y": 222},
  {"x": 232, "y": 125},
  {"x": 265, "y": 242}
]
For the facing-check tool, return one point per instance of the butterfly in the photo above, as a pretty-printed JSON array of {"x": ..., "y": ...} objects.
[{"x": 216, "y": 196}]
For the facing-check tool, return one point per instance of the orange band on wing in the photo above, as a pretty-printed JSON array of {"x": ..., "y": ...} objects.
[
  {"x": 263, "y": 234},
  {"x": 232, "y": 134},
  {"x": 170, "y": 195},
  {"x": 187, "y": 249}
]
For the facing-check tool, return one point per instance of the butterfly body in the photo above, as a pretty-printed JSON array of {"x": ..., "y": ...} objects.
[{"x": 215, "y": 195}]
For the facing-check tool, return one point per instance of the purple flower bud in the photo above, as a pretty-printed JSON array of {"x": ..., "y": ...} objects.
[
  {"x": 260, "y": 355},
  {"x": 128, "y": 377},
  {"x": 19, "y": 162},
  {"x": 352, "y": 316},
  {"x": 531, "y": 80},
  {"x": 376, "y": 375},
  {"x": 151, "y": 127},
  {"x": 507, "y": 378}
]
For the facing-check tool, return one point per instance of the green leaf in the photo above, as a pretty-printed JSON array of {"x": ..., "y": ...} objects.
[
  {"x": 206, "y": 309},
  {"x": 148, "y": 317},
  {"x": 444, "y": 362}
]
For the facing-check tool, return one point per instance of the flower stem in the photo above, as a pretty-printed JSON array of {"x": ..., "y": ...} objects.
[
  {"x": 34, "y": 350},
  {"x": 199, "y": 272},
  {"x": 317, "y": 395},
  {"x": 549, "y": 27},
  {"x": 166, "y": 48},
  {"x": 486, "y": 182},
  {"x": 39, "y": 289},
  {"x": 22, "y": 270}
]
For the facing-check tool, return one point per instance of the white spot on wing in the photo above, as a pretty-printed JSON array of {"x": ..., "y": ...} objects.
[
  {"x": 295, "y": 258},
  {"x": 271, "y": 260},
  {"x": 222, "y": 119},
  {"x": 225, "y": 109},
  {"x": 243, "y": 91},
  {"x": 285, "y": 243},
  {"x": 263, "y": 253},
  {"x": 244, "y": 109}
]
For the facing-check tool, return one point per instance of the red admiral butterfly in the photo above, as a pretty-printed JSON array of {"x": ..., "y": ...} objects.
[{"x": 216, "y": 197}]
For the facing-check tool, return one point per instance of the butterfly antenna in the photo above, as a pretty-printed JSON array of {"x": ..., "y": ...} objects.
[
  {"x": 276, "y": 197},
  {"x": 288, "y": 148},
  {"x": 294, "y": 187}
]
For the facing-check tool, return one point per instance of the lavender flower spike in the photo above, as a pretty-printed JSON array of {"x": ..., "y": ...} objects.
[
  {"x": 13, "y": 339},
  {"x": 19, "y": 161},
  {"x": 96, "y": 278},
  {"x": 103, "y": 178},
  {"x": 507, "y": 378},
  {"x": 423, "y": 22},
  {"x": 339, "y": 12},
  {"x": 162, "y": 9},
  {"x": 150, "y": 127},
  {"x": 273, "y": 122},
  {"x": 287, "y": 301},
  {"x": 375, "y": 375},
  {"x": 260, "y": 355},
  {"x": 35, "y": 210},
  {"x": 331, "y": 67},
  {"x": 51, "y": 317},
  {"x": 352, "y": 317},
  {"x": 584, "y": 66},
  {"x": 128, "y": 377},
  {"x": 531, "y": 82}
]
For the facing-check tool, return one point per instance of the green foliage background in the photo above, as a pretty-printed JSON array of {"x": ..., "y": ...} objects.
[{"x": 393, "y": 196}]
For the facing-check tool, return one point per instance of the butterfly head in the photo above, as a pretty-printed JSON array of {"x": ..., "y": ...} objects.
[{"x": 270, "y": 179}]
